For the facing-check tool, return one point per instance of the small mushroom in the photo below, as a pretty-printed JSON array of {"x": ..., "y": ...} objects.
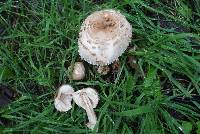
[
  {"x": 88, "y": 99},
  {"x": 103, "y": 37},
  {"x": 103, "y": 70},
  {"x": 64, "y": 97},
  {"x": 78, "y": 71}
]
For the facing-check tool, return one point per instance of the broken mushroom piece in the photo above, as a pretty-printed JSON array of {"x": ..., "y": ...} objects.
[
  {"x": 103, "y": 70},
  {"x": 78, "y": 71},
  {"x": 64, "y": 97},
  {"x": 103, "y": 37},
  {"x": 88, "y": 99}
]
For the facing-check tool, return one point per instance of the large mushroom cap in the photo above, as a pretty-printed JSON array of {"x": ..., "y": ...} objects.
[{"x": 104, "y": 36}]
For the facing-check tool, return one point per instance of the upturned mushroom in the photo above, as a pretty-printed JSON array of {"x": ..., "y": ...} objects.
[
  {"x": 64, "y": 97},
  {"x": 103, "y": 37},
  {"x": 88, "y": 99}
]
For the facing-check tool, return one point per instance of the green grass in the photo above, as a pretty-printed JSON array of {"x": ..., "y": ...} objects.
[{"x": 39, "y": 41}]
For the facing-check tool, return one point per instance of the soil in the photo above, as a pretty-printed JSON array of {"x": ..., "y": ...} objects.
[{"x": 6, "y": 96}]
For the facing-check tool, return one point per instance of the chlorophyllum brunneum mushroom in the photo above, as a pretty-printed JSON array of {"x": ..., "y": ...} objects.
[
  {"x": 87, "y": 98},
  {"x": 63, "y": 99},
  {"x": 103, "y": 37},
  {"x": 78, "y": 71}
]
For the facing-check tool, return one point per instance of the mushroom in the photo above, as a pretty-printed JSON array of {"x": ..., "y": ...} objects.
[
  {"x": 103, "y": 70},
  {"x": 64, "y": 97},
  {"x": 87, "y": 98},
  {"x": 78, "y": 71},
  {"x": 103, "y": 37}
]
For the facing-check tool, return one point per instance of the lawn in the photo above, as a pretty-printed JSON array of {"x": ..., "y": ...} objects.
[{"x": 154, "y": 90}]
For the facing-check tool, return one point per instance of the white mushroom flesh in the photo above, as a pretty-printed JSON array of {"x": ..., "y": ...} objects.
[
  {"x": 64, "y": 97},
  {"x": 87, "y": 99},
  {"x": 104, "y": 36}
]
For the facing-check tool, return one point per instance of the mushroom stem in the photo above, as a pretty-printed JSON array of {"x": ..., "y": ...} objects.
[{"x": 89, "y": 110}]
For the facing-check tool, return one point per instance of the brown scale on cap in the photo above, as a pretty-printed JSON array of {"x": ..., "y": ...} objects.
[{"x": 104, "y": 25}]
